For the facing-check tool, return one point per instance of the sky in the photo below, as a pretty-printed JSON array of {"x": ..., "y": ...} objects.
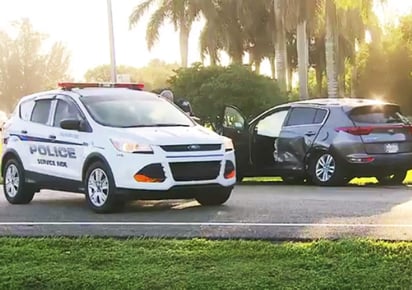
[{"x": 83, "y": 27}]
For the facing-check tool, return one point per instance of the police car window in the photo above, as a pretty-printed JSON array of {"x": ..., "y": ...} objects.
[
  {"x": 271, "y": 125},
  {"x": 25, "y": 110},
  {"x": 301, "y": 116},
  {"x": 41, "y": 111},
  {"x": 65, "y": 111},
  {"x": 135, "y": 111}
]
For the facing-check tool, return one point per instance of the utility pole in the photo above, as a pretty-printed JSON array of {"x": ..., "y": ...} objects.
[{"x": 111, "y": 39}]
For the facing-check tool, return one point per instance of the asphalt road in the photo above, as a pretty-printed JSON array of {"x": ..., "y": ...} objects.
[{"x": 261, "y": 211}]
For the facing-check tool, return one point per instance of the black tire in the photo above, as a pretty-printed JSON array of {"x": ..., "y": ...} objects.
[
  {"x": 20, "y": 192},
  {"x": 334, "y": 178},
  {"x": 214, "y": 198},
  {"x": 106, "y": 200},
  {"x": 395, "y": 179}
]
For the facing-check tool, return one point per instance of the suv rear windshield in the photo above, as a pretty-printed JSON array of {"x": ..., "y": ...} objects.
[
  {"x": 384, "y": 114},
  {"x": 132, "y": 111}
]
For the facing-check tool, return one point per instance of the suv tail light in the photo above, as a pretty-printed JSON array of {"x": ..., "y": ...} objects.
[
  {"x": 357, "y": 131},
  {"x": 366, "y": 130}
]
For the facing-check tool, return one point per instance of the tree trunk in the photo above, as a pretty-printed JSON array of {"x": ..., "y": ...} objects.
[
  {"x": 258, "y": 64},
  {"x": 319, "y": 82},
  {"x": 354, "y": 78},
  {"x": 184, "y": 43},
  {"x": 303, "y": 48},
  {"x": 280, "y": 46},
  {"x": 272, "y": 66},
  {"x": 330, "y": 50}
]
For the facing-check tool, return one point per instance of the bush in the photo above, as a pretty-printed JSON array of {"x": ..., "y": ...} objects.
[{"x": 209, "y": 89}]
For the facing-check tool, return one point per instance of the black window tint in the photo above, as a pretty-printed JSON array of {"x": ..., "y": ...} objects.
[
  {"x": 320, "y": 116},
  {"x": 41, "y": 111},
  {"x": 65, "y": 111},
  {"x": 378, "y": 115},
  {"x": 25, "y": 110},
  {"x": 301, "y": 116}
]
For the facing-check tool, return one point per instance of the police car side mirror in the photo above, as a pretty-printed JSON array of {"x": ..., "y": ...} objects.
[{"x": 74, "y": 124}]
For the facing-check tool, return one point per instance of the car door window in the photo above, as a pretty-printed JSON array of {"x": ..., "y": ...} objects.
[
  {"x": 65, "y": 111},
  {"x": 233, "y": 119},
  {"x": 270, "y": 126},
  {"x": 41, "y": 112},
  {"x": 320, "y": 116},
  {"x": 301, "y": 116},
  {"x": 26, "y": 108}
]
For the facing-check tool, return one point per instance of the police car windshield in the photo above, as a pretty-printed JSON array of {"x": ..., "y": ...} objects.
[{"x": 134, "y": 111}]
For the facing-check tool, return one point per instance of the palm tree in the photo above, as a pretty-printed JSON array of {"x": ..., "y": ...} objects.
[
  {"x": 182, "y": 13},
  {"x": 331, "y": 40},
  {"x": 306, "y": 12},
  {"x": 340, "y": 40},
  {"x": 281, "y": 44}
]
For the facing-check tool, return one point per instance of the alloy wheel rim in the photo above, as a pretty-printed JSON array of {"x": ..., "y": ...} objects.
[
  {"x": 98, "y": 187},
  {"x": 325, "y": 167},
  {"x": 12, "y": 180}
]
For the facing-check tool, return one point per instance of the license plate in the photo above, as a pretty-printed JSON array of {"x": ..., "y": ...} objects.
[{"x": 391, "y": 148}]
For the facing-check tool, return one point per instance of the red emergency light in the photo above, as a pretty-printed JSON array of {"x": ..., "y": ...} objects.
[{"x": 68, "y": 86}]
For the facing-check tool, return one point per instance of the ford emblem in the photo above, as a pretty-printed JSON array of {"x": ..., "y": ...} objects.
[{"x": 193, "y": 147}]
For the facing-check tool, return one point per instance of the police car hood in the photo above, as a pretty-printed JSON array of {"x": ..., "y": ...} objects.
[{"x": 176, "y": 135}]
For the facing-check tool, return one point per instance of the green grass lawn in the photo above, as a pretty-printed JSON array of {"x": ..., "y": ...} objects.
[{"x": 200, "y": 264}]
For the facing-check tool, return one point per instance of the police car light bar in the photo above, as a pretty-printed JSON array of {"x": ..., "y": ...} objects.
[{"x": 68, "y": 86}]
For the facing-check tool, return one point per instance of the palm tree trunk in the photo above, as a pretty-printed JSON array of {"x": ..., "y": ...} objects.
[
  {"x": 184, "y": 43},
  {"x": 330, "y": 50},
  {"x": 319, "y": 82},
  {"x": 272, "y": 66},
  {"x": 303, "y": 48},
  {"x": 280, "y": 46},
  {"x": 258, "y": 64}
]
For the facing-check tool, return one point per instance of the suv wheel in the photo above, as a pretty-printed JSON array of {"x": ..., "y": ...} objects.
[
  {"x": 325, "y": 170},
  {"x": 213, "y": 198},
  {"x": 395, "y": 179},
  {"x": 15, "y": 189},
  {"x": 100, "y": 189}
]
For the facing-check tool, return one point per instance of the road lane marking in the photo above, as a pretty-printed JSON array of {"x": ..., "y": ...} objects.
[{"x": 207, "y": 224}]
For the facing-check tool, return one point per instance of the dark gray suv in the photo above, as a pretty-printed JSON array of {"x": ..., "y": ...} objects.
[{"x": 324, "y": 141}]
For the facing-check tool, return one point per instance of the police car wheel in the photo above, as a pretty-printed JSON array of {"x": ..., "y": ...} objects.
[
  {"x": 100, "y": 189},
  {"x": 15, "y": 189},
  {"x": 215, "y": 197}
]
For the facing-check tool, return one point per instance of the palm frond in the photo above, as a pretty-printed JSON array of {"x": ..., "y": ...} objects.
[
  {"x": 155, "y": 22},
  {"x": 139, "y": 11}
]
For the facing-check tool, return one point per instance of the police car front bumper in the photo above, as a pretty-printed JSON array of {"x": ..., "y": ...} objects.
[{"x": 166, "y": 172}]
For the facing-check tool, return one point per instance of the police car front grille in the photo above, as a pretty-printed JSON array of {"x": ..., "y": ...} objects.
[
  {"x": 192, "y": 147},
  {"x": 195, "y": 171}
]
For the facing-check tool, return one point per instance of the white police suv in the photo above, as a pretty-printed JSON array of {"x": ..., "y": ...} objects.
[{"x": 113, "y": 142}]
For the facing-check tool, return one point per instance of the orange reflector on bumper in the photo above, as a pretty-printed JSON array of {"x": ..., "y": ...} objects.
[
  {"x": 230, "y": 175},
  {"x": 144, "y": 178}
]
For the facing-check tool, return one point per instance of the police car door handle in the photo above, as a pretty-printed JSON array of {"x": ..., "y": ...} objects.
[
  {"x": 52, "y": 137},
  {"x": 24, "y": 131}
]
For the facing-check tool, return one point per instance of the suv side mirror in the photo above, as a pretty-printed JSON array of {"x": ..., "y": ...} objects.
[{"x": 72, "y": 124}]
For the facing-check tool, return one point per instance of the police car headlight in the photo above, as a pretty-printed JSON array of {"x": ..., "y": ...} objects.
[
  {"x": 228, "y": 144},
  {"x": 131, "y": 147}
]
